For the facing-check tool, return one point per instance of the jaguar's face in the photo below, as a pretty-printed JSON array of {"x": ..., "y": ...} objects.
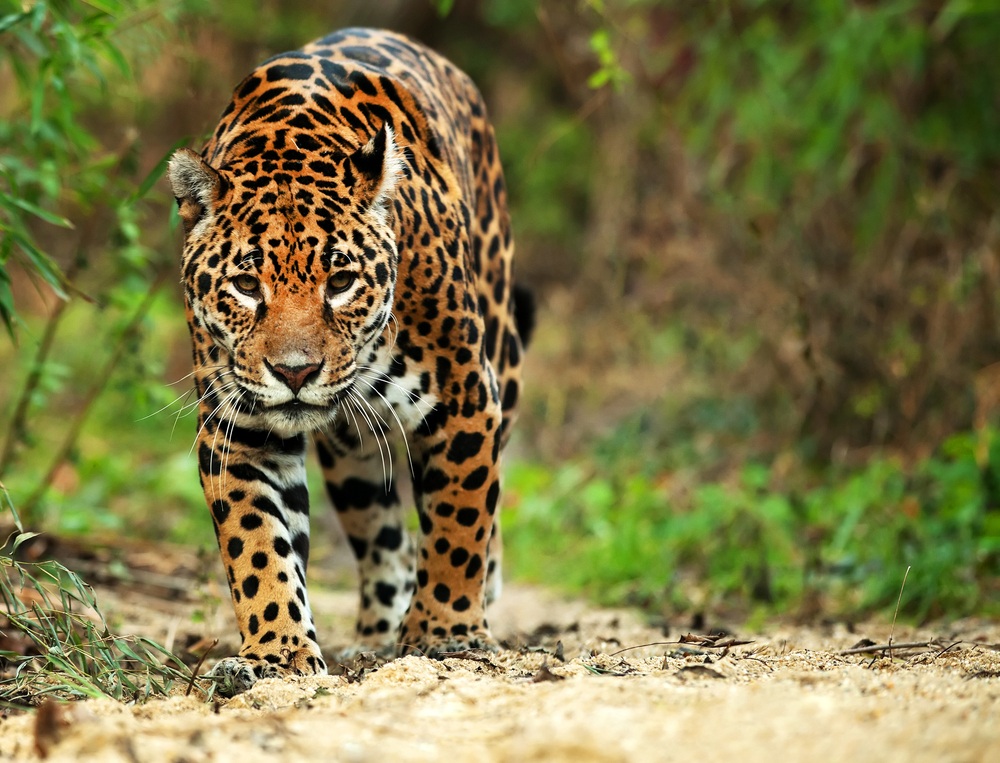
[
  {"x": 292, "y": 277},
  {"x": 293, "y": 316}
]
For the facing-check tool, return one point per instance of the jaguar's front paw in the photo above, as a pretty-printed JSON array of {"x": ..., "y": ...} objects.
[{"x": 236, "y": 675}]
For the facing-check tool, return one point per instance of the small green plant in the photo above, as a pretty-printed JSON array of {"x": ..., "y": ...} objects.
[{"x": 67, "y": 650}]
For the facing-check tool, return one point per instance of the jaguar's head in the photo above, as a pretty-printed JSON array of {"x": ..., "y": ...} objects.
[{"x": 289, "y": 270}]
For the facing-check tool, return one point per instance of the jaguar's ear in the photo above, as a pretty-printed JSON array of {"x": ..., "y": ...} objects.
[
  {"x": 196, "y": 186},
  {"x": 377, "y": 166}
]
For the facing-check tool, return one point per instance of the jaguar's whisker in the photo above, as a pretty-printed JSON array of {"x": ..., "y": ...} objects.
[
  {"x": 361, "y": 405},
  {"x": 192, "y": 373},
  {"x": 392, "y": 410},
  {"x": 215, "y": 438},
  {"x": 206, "y": 419},
  {"x": 379, "y": 376},
  {"x": 227, "y": 442},
  {"x": 361, "y": 440},
  {"x": 383, "y": 430}
]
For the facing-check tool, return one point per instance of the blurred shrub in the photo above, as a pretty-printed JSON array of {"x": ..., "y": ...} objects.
[
  {"x": 759, "y": 542},
  {"x": 59, "y": 61},
  {"x": 71, "y": 212},
  {"x": 845, "y": 157}
]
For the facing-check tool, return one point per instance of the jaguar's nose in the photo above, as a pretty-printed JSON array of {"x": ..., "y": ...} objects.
[{"x": 294, "y": 377}]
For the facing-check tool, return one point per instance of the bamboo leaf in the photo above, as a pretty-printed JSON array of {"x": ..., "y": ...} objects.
[
  {"x": 157, "y": 172},
  {"x": 7, "y": 22},
  {"x": 37, "y": 211},
  {"x": 41, "y": 263},
  {"x": 21, "y": 538},
  {"x": 117, "y": 58}
]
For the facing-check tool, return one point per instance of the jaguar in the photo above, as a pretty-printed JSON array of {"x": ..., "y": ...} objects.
[{"x": 348, "y": 281}]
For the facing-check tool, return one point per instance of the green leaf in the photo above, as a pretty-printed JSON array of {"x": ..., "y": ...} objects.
[
  {"x": 157, "y": 172},
  {"x": 117, "y": 58},
  {"x": 38, "y": 101},
  {"x": 598, "y": 79},
  {"x": 37, "y": 211},
  {"x": 20, "y": 539},
  {"x": 444, "y": 7},
  {"x": 112, "y": 9},
  {"x": 7, "y": 313},
  {"x": 41, "y": 263},
  {"x": 9, "y": 21}
]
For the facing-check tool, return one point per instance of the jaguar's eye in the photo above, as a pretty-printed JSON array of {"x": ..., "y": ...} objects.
[
  {"x": 247, "y": 284},
  {"x": 340, "y": 282}
]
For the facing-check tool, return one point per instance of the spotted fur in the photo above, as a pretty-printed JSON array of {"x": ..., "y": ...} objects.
[{"x": 347, "y": 275}]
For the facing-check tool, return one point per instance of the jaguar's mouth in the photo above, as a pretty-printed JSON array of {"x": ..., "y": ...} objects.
[
  {"x": 292, "y": 416},
  {"x": 297, "y": 408},
  {"x": 296, "y": 417}
]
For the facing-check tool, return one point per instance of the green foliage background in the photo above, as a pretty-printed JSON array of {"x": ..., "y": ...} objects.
[{"x": 763, "y": 237}]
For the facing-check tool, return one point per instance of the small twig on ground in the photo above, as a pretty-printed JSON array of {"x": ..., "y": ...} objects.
[
  {"x": 197, "y": 668},
  {"x": 705, "y": 642},
  {"x": 544, "y": 674},
  {"x": 982, "y": 674},
  {"x": 898, "y": 600},
  {"x": 888, "y": 647},
  {"x": 947, "y": 649},
  {"x": 474, "y": 655},
  {"x": 643, "y": 646},
  {"x": 408, "y": 650},
  {"x": 599, "y": 671}
]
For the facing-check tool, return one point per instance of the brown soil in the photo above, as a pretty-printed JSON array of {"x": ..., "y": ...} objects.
[{"x": 567, "y": 691}]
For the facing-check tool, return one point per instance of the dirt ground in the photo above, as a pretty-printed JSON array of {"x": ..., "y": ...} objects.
[{"x": 570, "y": 688}]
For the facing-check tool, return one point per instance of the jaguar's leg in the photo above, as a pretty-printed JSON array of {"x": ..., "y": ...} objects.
[
  {"x": 254, "y": 484},
  {"x": 360, "y": 484},
  {"x": 458, "y": 490}
]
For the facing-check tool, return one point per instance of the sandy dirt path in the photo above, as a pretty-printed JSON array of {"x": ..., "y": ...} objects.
[{"x": 788, "y": 695}]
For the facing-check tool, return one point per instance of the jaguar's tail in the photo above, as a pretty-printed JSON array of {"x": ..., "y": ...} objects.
[{"x": 524, "y": 313}]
